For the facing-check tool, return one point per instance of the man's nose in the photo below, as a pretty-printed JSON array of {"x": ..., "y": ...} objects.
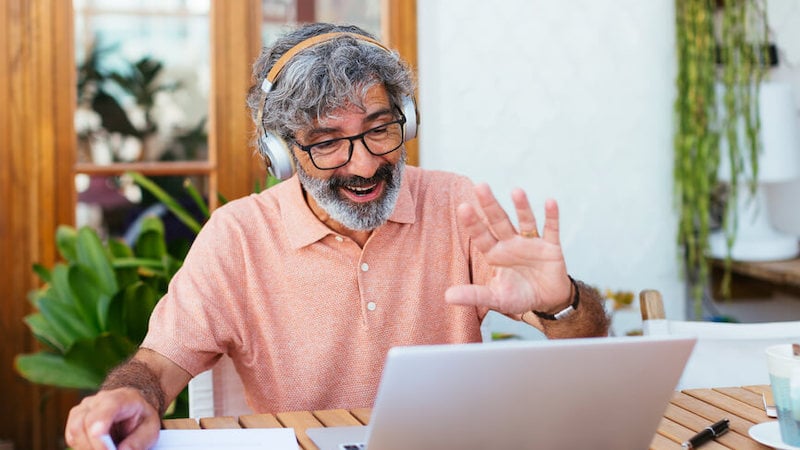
[{"x": 362, "y": 162}]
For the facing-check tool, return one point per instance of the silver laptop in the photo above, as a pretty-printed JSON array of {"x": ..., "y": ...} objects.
[{"x": 602, "y": 393}]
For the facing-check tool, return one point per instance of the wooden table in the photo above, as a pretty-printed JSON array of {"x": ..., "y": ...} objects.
[{"x": 689, "y": 411}]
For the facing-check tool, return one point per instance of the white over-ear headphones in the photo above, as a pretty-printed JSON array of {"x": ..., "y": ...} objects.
[{"x": 275, "y": 150}]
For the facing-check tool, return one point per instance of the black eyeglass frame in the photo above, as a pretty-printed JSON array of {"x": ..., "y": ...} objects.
[{"x": 401, "y": 121}]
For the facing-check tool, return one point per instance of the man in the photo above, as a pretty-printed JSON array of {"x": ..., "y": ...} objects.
[{"x": 308, "y": 284}]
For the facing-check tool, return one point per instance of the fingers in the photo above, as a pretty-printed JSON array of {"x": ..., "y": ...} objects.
[
  {"x": 83, "y": 430},
  {"x": 468, "y": 295},
  {"x": 499, "y": 223},
  {"x": 144, "y": 435},
  {"x": 482, "y": 237},
  {"x": 526, "y": 219},
  {"x": 121, "y": 412},
  {"x": 551, "y": 223}
]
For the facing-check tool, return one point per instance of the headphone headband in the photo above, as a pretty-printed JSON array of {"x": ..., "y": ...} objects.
[{"x": 276, "y": 69}]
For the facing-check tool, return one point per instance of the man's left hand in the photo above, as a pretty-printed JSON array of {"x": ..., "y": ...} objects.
[{"x": 529, "y": 271}]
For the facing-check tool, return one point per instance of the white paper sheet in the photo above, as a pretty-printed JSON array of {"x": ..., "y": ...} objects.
[{"x": 236, "y": 439}]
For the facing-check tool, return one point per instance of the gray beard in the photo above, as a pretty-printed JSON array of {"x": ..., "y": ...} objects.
[{"x": 355, "y": 216}]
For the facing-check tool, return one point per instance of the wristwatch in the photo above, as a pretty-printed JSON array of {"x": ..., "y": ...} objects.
[{"x": 566, "y": 312}]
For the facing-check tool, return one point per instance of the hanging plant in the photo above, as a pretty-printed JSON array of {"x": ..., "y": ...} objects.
[{"x": 719, "y": 47}]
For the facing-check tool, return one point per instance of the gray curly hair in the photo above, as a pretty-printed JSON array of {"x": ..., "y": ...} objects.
[{"x": 322, "y": 78}]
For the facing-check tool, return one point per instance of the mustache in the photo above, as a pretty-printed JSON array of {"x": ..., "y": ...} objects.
[{"x": 384, "y": 173}]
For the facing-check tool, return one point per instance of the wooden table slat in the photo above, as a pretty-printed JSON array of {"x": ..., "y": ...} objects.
[
  {"x": 219, "y": 422},
  {"x": 259, "y": 421},
  {"x": 743, "y": 410},
  {"x": 662, "y": 443},
  {"x": 711, "y": 412},
  {"x": 362, "y": 414},
  {"x": 743, "y": 395},
  {"x": 336, "y": 418},
  {"x": 180, "y": 424},
  {"x": 300, "y": 421},
  {"x": 696, "y": 423},
  {"x": 679, "y": 433}
]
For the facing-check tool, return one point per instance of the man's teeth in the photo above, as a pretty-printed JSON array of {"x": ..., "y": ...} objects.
[{"x": 361, "y": 189}]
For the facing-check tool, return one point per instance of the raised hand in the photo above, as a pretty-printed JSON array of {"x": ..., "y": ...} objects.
[{"x": 529, "y": 272}]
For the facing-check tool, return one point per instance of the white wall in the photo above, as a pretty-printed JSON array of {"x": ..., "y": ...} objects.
[
  {"x": 784, "y": 21},
  {"x": 570, "y": 100}
]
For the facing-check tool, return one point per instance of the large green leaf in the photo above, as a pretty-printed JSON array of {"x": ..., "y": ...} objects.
[
  {"x": 92, "y": 254},
  {"x": 90, "y": 299},
  {"x": 127, "y": 273},
  {"x": 44, "y": 332},
  {"x": 151, "y": 243},
  {"x": 66, "y": 241},
  {"x": 102, "y": 353},
  {"x": 42, "y": 272},
  {"x": 130, "y": 311},
  {"x": 60, "y": 288},
  {"x": 66, "y": 322},
  {"x": 54, "y": 370},
  {"x": 151, "y": 246},
  {"x": 135, "y": 263}
]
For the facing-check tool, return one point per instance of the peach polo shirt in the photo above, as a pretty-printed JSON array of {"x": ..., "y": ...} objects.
[{"x": 306, "y": 315}]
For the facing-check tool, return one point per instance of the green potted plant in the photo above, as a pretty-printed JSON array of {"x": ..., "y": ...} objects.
[
  {"x": 93, "y": 310},
  {"x": 720, "y": 46}
]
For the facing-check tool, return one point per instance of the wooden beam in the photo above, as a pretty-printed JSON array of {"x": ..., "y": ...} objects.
[
  {"x": 152, "y": 168},
  {"x": 236, "y": 42},
  {"x": 399, "y": 30},
  {"x": 36, "y": 149}
]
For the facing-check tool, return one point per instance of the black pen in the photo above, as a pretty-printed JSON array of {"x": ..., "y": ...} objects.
[{"x": 707, "y": 434}]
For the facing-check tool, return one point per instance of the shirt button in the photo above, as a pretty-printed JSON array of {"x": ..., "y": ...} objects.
[
  {"x": 364, "y": 267},
  {"x": 339, "y": 239},
  {"x": 371, "y": 306}
]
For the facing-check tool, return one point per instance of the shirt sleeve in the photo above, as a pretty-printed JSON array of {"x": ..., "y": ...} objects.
[{"x": 194, "y": 323}]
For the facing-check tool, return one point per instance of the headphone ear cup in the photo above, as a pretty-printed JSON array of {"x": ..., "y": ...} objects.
[
  {"x": 276, "y": 152},
  {"x": 412, "y": 118}
]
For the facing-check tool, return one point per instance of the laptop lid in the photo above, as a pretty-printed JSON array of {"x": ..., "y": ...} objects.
[{"x": 579, "y": 393}]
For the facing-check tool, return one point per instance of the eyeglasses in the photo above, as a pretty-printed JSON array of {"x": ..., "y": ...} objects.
[{"x": 335, "y": 153}]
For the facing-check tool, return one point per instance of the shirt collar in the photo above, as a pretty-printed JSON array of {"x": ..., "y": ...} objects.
[{"x": 304, "y": 228}]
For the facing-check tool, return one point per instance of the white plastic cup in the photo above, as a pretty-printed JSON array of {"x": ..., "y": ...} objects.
[{"x": 784, "y": 375}]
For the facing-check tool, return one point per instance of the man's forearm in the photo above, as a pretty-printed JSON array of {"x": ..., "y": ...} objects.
[
  {"x": 137, "y": 375},
  {"x": 590, "y": 318}
]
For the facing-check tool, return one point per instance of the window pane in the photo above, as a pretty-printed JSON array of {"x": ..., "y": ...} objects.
[
  {"x": 115, "y": 206},
  {"x": 143, "y": 80},
  {"x": 364, "y": 13},
  {"x": 280, "y": 13}
]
